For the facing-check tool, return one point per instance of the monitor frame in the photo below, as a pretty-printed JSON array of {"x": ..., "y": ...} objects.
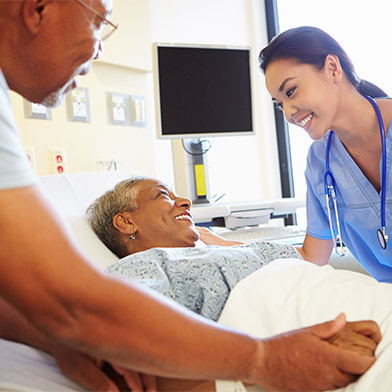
[{"x": 195, "y": 135}]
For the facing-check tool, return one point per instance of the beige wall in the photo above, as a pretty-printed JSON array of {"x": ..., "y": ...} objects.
[{"x": 242, "y": 167}]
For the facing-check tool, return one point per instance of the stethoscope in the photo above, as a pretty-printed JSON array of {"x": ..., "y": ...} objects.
[{"x": 330, "y": 190}]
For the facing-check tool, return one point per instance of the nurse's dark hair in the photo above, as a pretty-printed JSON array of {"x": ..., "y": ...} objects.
[{"x": 311, "y": 45}]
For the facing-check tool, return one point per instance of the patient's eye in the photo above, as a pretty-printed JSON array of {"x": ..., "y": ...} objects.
[{"x": 163, "y": 192}]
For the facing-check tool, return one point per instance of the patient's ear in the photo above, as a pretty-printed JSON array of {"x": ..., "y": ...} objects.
[
  {"x": 123, "y": 222},
  {"x": 33, "y": 13}
]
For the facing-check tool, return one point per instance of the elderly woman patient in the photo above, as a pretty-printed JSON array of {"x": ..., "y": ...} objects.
[
  {"x": 152, "y": 232},
  {"x": 144, "y": 219}
]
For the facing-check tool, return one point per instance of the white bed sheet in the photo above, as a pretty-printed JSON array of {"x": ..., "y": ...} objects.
[
  {"x": 290, "y": 294},
  {"x": 25, "y": 369}
]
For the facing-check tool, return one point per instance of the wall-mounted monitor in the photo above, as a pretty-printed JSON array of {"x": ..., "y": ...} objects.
[{"x": 202, "y": 91}]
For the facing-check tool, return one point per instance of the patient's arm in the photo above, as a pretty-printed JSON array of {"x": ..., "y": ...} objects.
[
  {"x": 359, "y": 336},
  {"x": 211, "y": 238}
]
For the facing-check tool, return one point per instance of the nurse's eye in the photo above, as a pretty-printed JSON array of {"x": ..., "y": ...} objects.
[{"x": 290, "y": 92}]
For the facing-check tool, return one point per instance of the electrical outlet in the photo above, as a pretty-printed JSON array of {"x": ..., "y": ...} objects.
[
  {"x": 30, "y": 156},
  {"x": 78, "y": 105},
  {"x": 36, "y": 110},
  {"x": 58, "y": 159},
  {"x": 118, "y": 108}
]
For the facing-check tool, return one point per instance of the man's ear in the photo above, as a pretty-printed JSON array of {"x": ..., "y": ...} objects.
[
  {"x": 33, "y": 12},
  {"x": 333, "y": 67},
  {"x": 123, "y": 222}
]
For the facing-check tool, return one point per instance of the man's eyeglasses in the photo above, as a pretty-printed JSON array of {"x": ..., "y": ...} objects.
[{"x": 107, "y": 28}]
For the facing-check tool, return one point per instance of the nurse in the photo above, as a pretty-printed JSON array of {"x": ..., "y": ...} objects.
[{"x": 311, "y": 78}]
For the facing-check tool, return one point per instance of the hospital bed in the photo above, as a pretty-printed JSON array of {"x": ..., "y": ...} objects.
[{"x": 279, "y": 297}]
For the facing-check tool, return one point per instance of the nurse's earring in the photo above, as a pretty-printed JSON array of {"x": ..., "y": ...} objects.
[{"x": 132, "y": 237}]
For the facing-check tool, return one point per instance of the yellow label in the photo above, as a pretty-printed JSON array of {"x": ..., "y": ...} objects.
[{"x": 200, "y": 180}]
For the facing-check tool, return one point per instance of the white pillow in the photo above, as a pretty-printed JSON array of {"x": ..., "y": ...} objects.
[{"x": 90, "y": 244}]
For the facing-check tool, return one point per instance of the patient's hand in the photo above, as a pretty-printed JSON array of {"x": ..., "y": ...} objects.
[
  {"x": 210, "y": 238},
  {"x": 361, "y": 337}
]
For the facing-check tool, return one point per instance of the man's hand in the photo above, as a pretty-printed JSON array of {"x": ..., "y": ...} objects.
[
  {"x": 97, "y": 375},
  {"x": 304, "y": 360},
  {"x": 128, "y": 380},
  {"x": 83, "y": 369},
  {"x": 359, "y": 336}
]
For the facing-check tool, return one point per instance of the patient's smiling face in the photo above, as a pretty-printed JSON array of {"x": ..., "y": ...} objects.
[{"x": 162, "y": 219}]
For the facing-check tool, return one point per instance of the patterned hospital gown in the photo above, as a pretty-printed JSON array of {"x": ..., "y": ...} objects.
[{"x": 199, "y": 278}]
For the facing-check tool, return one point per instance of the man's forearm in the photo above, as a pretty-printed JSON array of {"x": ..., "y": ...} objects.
[
  {"x": 157, "y": 336},
  {"x": 15, "y": 327}
]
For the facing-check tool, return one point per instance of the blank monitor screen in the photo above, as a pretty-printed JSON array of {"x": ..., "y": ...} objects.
[{"x": 203, "y": 91}]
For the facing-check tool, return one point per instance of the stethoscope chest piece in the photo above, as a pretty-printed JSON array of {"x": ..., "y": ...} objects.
[{"x": 382, "y": 238}]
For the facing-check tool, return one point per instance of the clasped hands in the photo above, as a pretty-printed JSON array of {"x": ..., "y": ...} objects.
[{"x": 325, "y": 356}]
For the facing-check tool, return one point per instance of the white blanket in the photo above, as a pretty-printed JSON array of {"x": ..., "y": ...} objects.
[{"x": 290, "y": 294}]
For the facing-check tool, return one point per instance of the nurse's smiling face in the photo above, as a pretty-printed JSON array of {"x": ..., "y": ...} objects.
[
  {"x": 307, "y": 96},
  {"x": 162, "y": 219}
]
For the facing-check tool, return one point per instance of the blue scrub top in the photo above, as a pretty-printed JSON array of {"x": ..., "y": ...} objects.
[{"x": 359, "y": 205}]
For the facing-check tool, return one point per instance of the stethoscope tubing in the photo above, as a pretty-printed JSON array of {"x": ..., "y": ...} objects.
[
  {"x": 330, "y": 190},
  {"x": 383, "y": 159},
  {"x": 330, "y": 193}
]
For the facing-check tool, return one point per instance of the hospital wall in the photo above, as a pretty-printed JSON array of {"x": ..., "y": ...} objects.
[{"x": 243, "y": 167}]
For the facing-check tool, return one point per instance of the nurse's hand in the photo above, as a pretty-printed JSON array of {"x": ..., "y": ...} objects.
[
  {"x": 359, "y": 336},
  {"x": 304, "y": 360}
]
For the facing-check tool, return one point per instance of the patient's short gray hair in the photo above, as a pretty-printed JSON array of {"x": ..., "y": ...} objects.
[{"x": 122, "y": 198}]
